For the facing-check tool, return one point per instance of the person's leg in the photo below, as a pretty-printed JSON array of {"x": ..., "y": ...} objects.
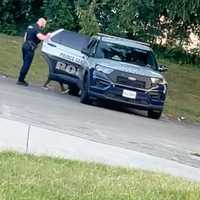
[
  {"x": 46, "y": 83},
  {"x": 27, "y": 60},
  {"x": 63, "y": 90},
  {"x": 62, "y": 87}
]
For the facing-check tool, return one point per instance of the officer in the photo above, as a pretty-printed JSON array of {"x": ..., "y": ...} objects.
[{"x": 32, "y": 38}]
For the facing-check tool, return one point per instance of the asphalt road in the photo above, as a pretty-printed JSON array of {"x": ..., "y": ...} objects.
[{"x": 101, "y": 123}]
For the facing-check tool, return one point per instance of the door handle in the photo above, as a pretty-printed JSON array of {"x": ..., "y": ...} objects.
[{"x": 50, "y": 44}]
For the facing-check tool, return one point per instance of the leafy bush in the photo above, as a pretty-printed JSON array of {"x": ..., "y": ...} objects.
[
  {"x": 136, "y": 19},
  {"x": 177, "y": 55},
  {"x": 60, "y": 13},
  {"x": 87, "y": 19},
  {"x": 9, "y": 29}
]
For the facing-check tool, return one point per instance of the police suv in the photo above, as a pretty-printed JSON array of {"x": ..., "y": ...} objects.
[{"x": 107, "y": 67}]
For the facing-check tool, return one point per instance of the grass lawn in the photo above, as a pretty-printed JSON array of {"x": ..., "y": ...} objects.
[
  {"x": 184, "y": 80},
  {"x": 184, "y": 91},
  {"x": 42, "y": 178},
  {"x": 11, "y": 60}
]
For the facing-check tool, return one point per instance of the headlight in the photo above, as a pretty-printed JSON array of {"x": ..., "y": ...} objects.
[
  {"x": 156, "y": 81},
  {"x": 105, "y": 70}
]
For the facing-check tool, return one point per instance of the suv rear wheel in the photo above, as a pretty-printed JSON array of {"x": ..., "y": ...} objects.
[{"x": 154, "y": 114}]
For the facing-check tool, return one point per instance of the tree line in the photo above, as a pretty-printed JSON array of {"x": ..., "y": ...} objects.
[{"x": 147, "y": 20}]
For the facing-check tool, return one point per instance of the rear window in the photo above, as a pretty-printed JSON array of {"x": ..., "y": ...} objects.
[{"x": 71, "y": 39}]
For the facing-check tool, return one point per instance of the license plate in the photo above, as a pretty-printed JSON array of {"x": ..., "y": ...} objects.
[{"x": 129, "y": 94}]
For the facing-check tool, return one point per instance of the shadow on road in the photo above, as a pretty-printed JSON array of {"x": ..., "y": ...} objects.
[{"x": 119, "y": 108}]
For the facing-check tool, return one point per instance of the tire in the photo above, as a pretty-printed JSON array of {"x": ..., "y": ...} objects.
[
  {"x": 154, "y": 114},
  {"x": 74, "y": 90},
  {"x": 85, "y": 99}
]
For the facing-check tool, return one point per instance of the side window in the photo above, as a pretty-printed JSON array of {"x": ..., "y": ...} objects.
[
  {"x": 152, "y": 60},
  {"x": 61, "y": 38},
  {"x": 71, "y": 39},
  {"x": 92, "y": 46},
  {"x": 57, "y": 38}
]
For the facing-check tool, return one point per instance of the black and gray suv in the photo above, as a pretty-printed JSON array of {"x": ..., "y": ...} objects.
[{"x": 107, "y": 67}]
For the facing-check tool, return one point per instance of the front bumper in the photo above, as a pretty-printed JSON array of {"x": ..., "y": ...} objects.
[{"x": 153, "y": 98}]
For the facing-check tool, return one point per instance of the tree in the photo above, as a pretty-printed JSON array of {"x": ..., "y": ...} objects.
[
  {"x": 150, "y": 19},
  {"x": 141, "y": 19},
  {"x": 87, "y": 18},
  {"x": 60, "y": 12},
  {"x": 15, "y": 15}
]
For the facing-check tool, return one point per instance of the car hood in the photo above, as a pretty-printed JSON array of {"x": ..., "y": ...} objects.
[{"x": 130, "y": 68}]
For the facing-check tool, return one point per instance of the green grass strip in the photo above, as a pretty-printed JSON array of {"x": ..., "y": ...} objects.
[{"x": 41, "y": 178}]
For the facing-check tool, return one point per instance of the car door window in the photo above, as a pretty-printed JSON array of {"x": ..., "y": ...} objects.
[
  {"x": 92, "y": 47},
  {"x": 71, "y": 39},
  {"x": 57, "y": 38}
]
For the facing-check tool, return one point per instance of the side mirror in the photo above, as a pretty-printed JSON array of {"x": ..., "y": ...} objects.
[
  {"x": 85, "y": 51},
  {"x": 162, "y": 68}
]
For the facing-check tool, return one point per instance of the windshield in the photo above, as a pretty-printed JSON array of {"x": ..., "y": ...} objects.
[{"x": 125, "y": 54}]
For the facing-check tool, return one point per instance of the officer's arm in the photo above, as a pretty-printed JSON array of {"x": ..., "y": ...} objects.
[
  {"x": 42, "y": 37},
  {"x": 25, "y": 36}
]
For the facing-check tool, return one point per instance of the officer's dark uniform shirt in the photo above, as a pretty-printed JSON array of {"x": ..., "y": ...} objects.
[
  {"x": 28, "y": 50},
  {"x": 31, "y": 35}
]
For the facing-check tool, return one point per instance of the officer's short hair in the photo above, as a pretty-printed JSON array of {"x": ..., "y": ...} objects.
[{"x": 45, "y": 17}]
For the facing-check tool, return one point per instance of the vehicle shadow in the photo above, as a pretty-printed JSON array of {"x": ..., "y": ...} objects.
[
  {"x": 119, "y": 108},
  {"x": 103, "y": 103}
]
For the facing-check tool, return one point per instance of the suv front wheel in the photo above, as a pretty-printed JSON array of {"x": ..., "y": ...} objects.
[
  {"x": 73, "y": 90},
  {"x": 84, "y": 91},
  {"x": 154, "y": 114}
]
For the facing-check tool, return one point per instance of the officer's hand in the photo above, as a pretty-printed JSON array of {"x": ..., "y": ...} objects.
[
  {"x": 48, "y": 35},
  {"x": 43, "y": 37}
]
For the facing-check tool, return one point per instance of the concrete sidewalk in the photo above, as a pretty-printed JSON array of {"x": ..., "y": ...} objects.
[{"x": 30, "y": 139}]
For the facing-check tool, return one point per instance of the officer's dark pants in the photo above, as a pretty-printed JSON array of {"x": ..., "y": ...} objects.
[{"x": 28, "y": 54}]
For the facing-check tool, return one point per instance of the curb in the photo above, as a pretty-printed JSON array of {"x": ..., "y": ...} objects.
[{"x": 38, "y": 141}]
